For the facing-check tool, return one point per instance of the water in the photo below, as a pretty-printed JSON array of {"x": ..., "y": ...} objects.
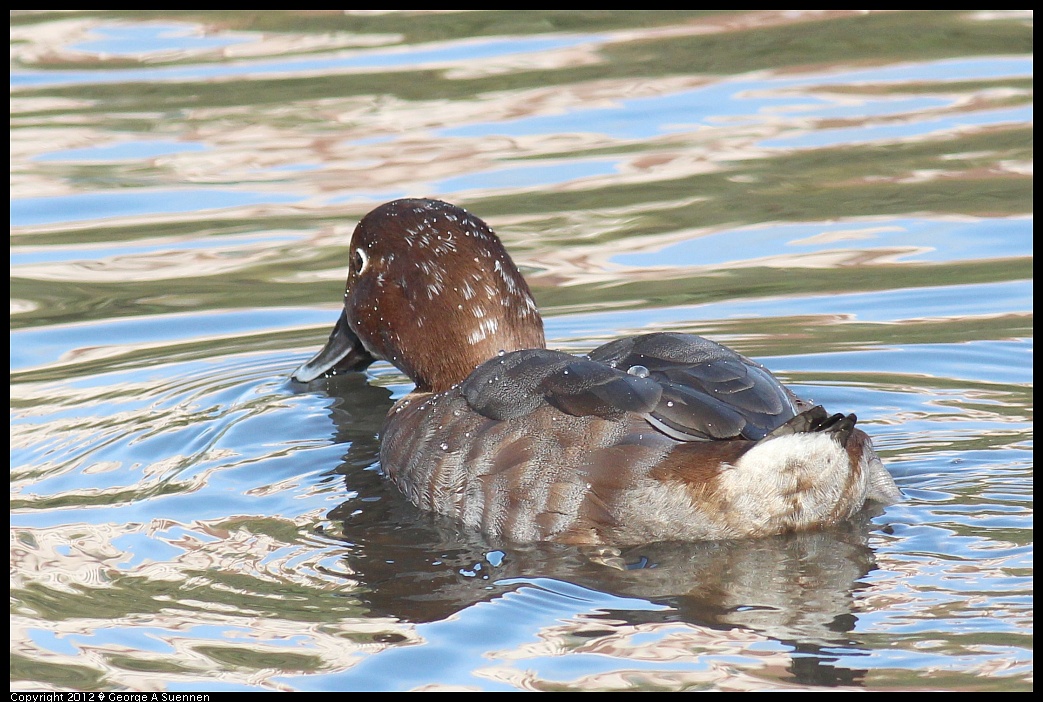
[{"x": 845, "y": 196}]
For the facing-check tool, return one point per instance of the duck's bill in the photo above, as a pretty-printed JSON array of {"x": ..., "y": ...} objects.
[{"x": 343, "y": 352}]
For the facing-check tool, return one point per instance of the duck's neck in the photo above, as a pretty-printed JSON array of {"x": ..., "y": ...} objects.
[{"x": 446, "y": 361}]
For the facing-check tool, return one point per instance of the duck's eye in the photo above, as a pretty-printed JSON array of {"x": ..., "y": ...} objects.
[{"x": 360, "y": 260}]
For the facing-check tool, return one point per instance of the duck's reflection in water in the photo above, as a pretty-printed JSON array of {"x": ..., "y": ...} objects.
[{"x": 796, "y": 589}]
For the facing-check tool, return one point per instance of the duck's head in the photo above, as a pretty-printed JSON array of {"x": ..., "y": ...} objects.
[{"x": 431, "y": 290}]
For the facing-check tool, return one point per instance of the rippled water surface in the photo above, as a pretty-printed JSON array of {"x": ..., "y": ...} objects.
[{"x": 845, "y": 196}]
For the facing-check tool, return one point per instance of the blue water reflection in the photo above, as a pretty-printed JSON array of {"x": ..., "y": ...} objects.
[
  {"x": 411, "y": 57},
  {"x": 749, "y": 100},
  {"x": 906, "y": 130},
  {"x": 448, "y": 649},
  {"x": 542, "y": 174},
  {"x": 145, "y": 38},
  {"x": 898, "y": 240},
  {"x": 28, "y": 255},
  {"x": 136, "y": 150},
  {"x": 35, "y": 211}
]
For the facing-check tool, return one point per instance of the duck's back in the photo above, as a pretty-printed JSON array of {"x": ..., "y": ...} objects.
[{"x": 656, "y": 437}]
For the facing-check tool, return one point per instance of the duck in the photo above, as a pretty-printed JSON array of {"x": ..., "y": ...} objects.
[{"x": 656, "y": 437}]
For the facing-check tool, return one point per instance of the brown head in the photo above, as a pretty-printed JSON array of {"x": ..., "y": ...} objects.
[{"x": 431, "y": 290}]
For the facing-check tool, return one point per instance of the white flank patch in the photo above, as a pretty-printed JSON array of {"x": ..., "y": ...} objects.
[{"x": 765, "y": 481}]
